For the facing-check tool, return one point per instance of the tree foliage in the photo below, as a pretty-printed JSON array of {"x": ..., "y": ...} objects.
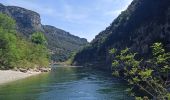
[
  {"x": 38, "y": 38},
  {"x": 150, "y": 77},
  {"x": 18, "y": 52}
]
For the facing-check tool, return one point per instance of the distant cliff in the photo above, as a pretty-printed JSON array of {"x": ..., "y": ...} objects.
[
  {"x": 142, "y": 24},
  {"x": 60, "y": 43}
]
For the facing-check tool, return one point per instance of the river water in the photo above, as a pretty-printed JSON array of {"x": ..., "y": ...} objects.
[{"x": 66, "y": 83}]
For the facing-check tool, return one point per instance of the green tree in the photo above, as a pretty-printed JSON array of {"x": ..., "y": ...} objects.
[
  {"x": 16, "y": 51},
  {"x": 150, "y": 77},
  {"x": 38, "y": 38},
  {"x": 7, "y": 23},
  {"x": 8, "y": 41},
  {"x": 39, "y": 53}
]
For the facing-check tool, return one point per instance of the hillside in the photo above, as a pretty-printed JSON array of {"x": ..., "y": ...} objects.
[
  {"x": 17, "y": 52},
  {"x": 60, "y": 42},
  {"x": 142, "y": 24}
]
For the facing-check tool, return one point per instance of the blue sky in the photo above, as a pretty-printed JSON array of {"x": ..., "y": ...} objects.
[{"x": 84, "y": 18}]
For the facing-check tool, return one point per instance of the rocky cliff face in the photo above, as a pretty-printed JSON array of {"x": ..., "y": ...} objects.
[
  {"x": 27, "y": 21},
  {"x": 142, "y": 24},
  {"x": 60, "y": 43}
]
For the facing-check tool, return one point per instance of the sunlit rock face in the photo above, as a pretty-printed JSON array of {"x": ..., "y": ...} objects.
[
  {"x": 27, "y": 21},
  {"x": 142, "y": 24},
  {"x": 60, "y": 42}
]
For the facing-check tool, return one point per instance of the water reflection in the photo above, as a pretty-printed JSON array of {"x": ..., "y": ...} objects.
[{"x": 66, "y": 83}]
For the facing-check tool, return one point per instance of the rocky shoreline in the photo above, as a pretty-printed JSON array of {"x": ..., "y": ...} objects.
[
  {"x": 33, "y": 70},
  {"x": 7, "y": 76}
]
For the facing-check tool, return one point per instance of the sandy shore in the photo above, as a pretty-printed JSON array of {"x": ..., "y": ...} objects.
[{"x": 9, "y": 75}]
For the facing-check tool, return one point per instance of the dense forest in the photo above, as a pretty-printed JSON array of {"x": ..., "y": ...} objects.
[
  {"x": 16, "y": 51},
  {"x": 142, "y": 24},
  {"x": 140, "y": 37},
  {"x": 135, "y": 48},
  {"x": 62, "y": 44}
]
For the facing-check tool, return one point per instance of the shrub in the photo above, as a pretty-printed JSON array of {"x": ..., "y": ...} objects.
[{"x": 150, "y": 77}]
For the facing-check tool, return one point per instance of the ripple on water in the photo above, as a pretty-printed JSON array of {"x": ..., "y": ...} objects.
[{"x": 66, "y": 83}]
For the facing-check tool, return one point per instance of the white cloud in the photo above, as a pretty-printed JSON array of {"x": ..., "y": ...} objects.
[
  {"x": 89, "y": 18},
  {"x": 71, "y": 13},
  {"x": 32, "y": 6}
]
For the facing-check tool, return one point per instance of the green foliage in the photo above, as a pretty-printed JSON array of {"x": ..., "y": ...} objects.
[
  {"x": 8, "y": 41},
  {"x": 150, "y": 77},
  {"x": 38, "y": 38},
  {"x": 112, "y": 51},
  {"x": 17, "y": 52},
  {"x": 62, "y": 43},
  {"x": 144, "y": 98},
  {"x": 6, "y": 23}
]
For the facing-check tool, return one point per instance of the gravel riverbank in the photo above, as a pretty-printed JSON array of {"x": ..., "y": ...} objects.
[{"x": 10, "y": 75}]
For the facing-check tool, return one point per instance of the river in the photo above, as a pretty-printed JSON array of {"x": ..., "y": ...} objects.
[{"x": 66, "y": 83}]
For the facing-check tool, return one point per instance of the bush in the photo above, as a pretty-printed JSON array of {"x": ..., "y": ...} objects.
[
  {"x": 18, "y": 52},
  {"x": 38, "y": 38},
  {"x": 150, "y": 77}
]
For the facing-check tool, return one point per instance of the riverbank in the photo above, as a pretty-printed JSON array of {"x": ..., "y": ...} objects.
[
  {"x": 67, "y": 83},
  {"x": 7, "y": 76}
]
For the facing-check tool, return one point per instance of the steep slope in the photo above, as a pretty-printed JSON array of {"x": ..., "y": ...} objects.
[
  {"x": 60, "y": 43},
  {"x": 143, "y": 23},
  {"x": 27, "y": 21}
]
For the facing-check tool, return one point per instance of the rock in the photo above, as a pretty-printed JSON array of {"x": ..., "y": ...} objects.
[
  {"x": 60, "y": 42},
  {"x": 23, "y": 70},
  {"x": 27, "y": 21},
  {"x": 142, "y": 24},
  {"x": 44, "y": 69}
]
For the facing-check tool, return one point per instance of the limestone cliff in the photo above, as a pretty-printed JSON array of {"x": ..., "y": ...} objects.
[{"x": 60, "y": 42}]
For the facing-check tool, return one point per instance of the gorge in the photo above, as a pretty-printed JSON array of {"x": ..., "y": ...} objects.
[
  {"x": 142, "y": 24},
  {"x": 60, "y": 43},
  {"x": 135, "y": 49}
]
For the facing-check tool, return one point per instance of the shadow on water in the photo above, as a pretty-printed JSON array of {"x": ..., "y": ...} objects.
[{"x": 66, "y": 83}]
